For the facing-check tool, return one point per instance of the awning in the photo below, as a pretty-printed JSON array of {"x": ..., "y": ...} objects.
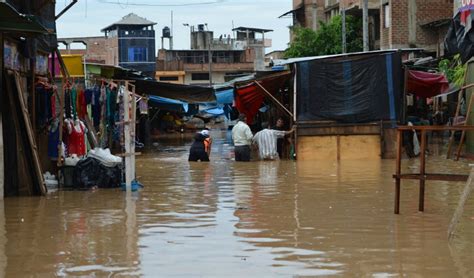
[
  {"x": 13, "y": 21},
  {"x": 425, "y": 84},
  {"x": 299, "y": 7},
  {"x": 188, "y": 93},
  {"x": 249, "y": 98},
  {"x": 168, "y": 104}
]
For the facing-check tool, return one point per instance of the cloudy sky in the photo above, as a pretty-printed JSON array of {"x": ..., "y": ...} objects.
[{"x": 88, "y": 17}]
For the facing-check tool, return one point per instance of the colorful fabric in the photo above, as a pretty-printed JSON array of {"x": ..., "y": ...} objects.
[{"x": 267, "y": 143}]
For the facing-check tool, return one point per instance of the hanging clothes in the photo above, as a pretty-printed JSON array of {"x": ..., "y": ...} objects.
[
  {"x": 96, "y": 106},
  {"x": 76, "y": 143},
  {"x": 67, "y": 102},
  {"x": 53, "y": 140},
  {"x": 143, "y": 106},
  {"x": 43, "y": 104},
  {"x": 81, "y": 104},
  {"x": 74, "y": 101}
]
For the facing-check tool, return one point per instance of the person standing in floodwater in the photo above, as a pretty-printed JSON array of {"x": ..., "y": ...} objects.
[
  {"x": 266, "y": 140},
  {"x": 198, "y": 150},
  {"x": 242, "y": 137}
]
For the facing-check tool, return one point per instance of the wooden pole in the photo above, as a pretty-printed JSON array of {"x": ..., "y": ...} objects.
[
  {"x": 278, "y": 103},
  {"x": 126, "y": 118},
  {"x": 134, "y": 133},
  {"x": 463, "y": 134},
  {"x": 421, "y": 204},
  {"x": 398, "y": 172},
  {"x": 458, "y": 109},
  {"x": 2, "y": 99},
  {"x": 460, "y": 208}
]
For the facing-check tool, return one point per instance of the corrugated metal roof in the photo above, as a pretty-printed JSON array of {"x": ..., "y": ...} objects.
[{"x": 131, "y": 19}]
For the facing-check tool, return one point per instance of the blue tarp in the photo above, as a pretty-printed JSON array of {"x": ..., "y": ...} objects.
[
  {"x": 225, "y": 96},
  {"x": 215, "y": 111},
  {"x": 169, "y": 104}
]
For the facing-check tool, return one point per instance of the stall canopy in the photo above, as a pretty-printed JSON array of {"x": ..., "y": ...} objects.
[
  {"x": 350, "y": 89},
  {"x": 187, "y": 93},
  {"x": 249, "y": 98},
  {"x": 169, "y": 104},
  {"x": 460, "y": 37},
  {"x": 425, "y": 84}
]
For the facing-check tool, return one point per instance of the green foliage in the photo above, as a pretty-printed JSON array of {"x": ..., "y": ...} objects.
[
  {"x": 327, "y": 40},
  {"x": 453, "y": 69}
]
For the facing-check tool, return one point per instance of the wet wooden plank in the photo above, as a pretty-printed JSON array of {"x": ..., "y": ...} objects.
[
  {"x": 432, "y": 177},
  {"x": 460, "y": 208}
]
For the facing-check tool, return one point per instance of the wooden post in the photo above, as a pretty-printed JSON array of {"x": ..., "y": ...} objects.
[
  {"x": 460, "y": 208},
  {"x": 398, "y": 171},
  {"x": 463, "y": 134},
  {"x": 421, "y": 204},
  {"x": 458, "y": 109},
  {"x": 268, "y": 94},
  {"x": 2, "y": 99},
  {"x": 126, "y": 128},
  {"x": 134, "y": 133}
]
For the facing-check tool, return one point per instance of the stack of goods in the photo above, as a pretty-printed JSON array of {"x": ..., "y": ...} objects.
[{"x": 99, "y": 169}]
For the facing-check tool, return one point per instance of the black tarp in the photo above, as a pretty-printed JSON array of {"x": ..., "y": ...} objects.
[
  {"x": 350, "y": 89},
  {"x": 460, "y": 37},
  {"x": 187, "y": 93}
]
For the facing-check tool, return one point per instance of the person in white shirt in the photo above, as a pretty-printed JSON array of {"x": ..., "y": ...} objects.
[
  {"x": 266, "y": 140},
  {"x": 242, "y": 137}
]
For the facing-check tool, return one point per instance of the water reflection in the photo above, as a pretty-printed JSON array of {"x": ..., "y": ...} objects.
[{"x": 255, "y": 219}]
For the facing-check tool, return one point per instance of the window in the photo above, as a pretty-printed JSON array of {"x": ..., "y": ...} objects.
[
  {"x": 200, "y": 76},
  {"x": 169, "y": 78},
  {"x": 387, "y": 15},
  {"x": 137, "y": 54}
]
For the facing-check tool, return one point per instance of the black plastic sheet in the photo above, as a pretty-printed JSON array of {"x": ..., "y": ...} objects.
[
  {"x": 350, "y": 89},
  {"x": 186, "y": 93},
  {"x": 460, "y": 40}
]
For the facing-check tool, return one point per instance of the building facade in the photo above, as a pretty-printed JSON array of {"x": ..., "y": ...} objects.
[
  {"x": 392, "y": 23},
  {"x": 128, "y": 43},
  {"x": 214, "y": 60}
]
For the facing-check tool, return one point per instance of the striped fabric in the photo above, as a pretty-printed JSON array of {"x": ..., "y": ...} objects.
[{"x": 267, "y": 143}]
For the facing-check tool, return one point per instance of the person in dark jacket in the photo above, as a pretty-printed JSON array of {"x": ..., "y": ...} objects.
[{"x": 198, "y": 148}]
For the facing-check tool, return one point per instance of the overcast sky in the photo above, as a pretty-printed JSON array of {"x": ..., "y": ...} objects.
[{"x": 88, "y": 17}]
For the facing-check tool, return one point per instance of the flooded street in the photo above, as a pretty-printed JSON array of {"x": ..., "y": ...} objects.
[{"x": 257, "y": 219}]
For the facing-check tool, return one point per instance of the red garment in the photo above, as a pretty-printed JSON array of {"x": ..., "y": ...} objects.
[
  {"x": 76, "y": 143},
  {"x": 425, "y": 84},
  {"x": 81, "y": 104},
  {"x": 53, "y": 104}
]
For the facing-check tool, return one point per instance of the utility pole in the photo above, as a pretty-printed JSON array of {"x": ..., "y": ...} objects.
[
  {"x": 209, "y": 54},
  {"x": 344, "y": 43},
  {"x": 365, "y": 24}
]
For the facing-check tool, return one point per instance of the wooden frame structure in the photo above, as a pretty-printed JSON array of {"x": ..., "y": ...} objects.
[{"x": 422, "y": 176}]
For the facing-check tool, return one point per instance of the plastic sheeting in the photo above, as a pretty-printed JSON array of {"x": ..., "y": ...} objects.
[
  {"x": 169, "y": 104},
  {"x": 353, "y": 89},
  {"x": 225, "y": 96},
  {"x": 249, "y": 98},
  {"x": 460, "y": 37},
  {"x": 425, "y": 84},
  {"x": 187, "y": 93}
]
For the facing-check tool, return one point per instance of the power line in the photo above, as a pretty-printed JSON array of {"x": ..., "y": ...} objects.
[{"x": 127, "y": 3}]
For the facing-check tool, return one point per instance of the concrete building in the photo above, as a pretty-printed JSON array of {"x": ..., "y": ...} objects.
[
  {"x": 230, "y": 57},
  {"x": 129, "y": 43}
]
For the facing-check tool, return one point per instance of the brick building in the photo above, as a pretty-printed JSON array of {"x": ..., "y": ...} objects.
[
  {"x": 392, "y": 23},
  {"x": 415, "y": 23}
]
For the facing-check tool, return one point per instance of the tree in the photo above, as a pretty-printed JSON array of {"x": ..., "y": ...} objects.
[{"x": 327, "y": 40}]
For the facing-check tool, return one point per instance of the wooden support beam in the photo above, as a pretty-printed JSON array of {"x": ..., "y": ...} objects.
[
  {"x": 278, "y": 103},
  {"x": 421, "y": 203},
  {"x": 398, "y": 172}
]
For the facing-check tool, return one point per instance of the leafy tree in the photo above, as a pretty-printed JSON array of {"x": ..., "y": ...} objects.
[
  {"x": 327, "y": 39},
  {"x": 453, "y": 69}
]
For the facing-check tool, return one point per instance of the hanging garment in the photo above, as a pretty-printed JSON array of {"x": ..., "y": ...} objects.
[
  {"x": 112, "y": 107},
  {"x": 74, "y": 101},
  {"x": 53, "y": 140},
  {"x": 81, "y": 105},
  {"x": 88, "y": 94},
  {"x": 67, "y": 102},
  {"x": 143, "y": 105},
  {"x": 96, "y": 106},
  {"x": 76, "y": 142}
]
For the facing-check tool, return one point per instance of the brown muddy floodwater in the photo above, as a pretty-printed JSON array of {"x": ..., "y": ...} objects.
[{"x": 227, "y": 219}]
